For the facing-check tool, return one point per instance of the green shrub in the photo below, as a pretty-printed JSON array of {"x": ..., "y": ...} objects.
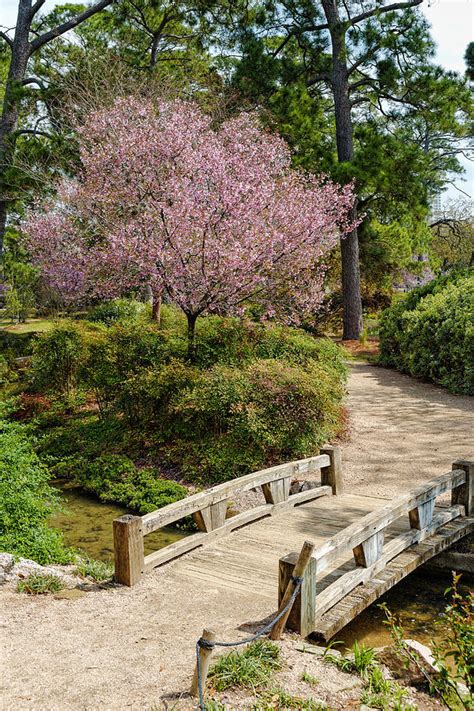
[
  {"x": 121, "y": 353},
  {"x": 119, "y": 310},
  {"x": 228, "y": 421},
  {"x": 40, "y": 584},
  {"x": 251, "y": 668},
  {"x": 7, "y": 375},
  {"x": 430, "y": 334},
  {"x": 61, "y": 436},
  {"x": 58, "y": 357},
  {"x": 27, "y": 500},
  {"x": 16, "y": 345},
  {"x": 255, "y": 395},
  {"x": 115, "y": 478}
]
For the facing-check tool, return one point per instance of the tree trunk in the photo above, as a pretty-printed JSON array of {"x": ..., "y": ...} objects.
[
  {"x": 351, "y": 298},
  {"x": 20, "y": 53},
  {"x": 156, "y": 308}
]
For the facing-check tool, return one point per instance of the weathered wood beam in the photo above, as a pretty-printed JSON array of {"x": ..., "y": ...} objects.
[
  {"x": 128, "y": 549},
  {"x": 301, "y": 617},
  {"x": 174, "y": 550},
  {"x": 332, "y": 474},
  {"x": 464, "y": 493},
  {"x": 174, "y": 512},
  {"x": 372, "y": 523}
]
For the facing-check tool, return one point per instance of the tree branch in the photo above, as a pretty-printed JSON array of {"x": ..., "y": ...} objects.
[
  {"x": 383, "y": 10},
  {"x": 34, "y": 132},
  {"x": 34, "y": 80},
  {"x": 37, "y": 6},
  {"x": 7, "y": 39},
  {"x": 69, "y": 25}
]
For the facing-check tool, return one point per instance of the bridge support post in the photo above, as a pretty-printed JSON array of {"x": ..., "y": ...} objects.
[
  {"x": 464, "y": 494},
  {"x": 301, "y": 618},
  {"x": 128, "y": 549},
  {"x": 332, "y": 475}
]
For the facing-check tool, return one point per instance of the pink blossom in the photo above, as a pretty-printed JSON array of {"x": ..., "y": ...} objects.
[{"x": 211, "y": 216}]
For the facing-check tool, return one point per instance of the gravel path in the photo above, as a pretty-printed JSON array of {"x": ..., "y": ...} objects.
[{"x": 133, "y": 648}]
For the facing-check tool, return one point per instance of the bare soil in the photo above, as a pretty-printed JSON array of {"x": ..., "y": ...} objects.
[{"x": 121, "y": 648}]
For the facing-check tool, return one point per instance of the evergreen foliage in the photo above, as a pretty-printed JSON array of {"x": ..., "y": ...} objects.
[{"x": 430, "y": 333}]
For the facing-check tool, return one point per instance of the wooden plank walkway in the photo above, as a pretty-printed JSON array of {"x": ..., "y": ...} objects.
[
  {"x": 355, "y": 547},
  {"x": 248, "y": 558}
]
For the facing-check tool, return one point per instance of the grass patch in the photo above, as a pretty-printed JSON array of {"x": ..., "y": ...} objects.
[
  {"x": 213, "y": 705},
  {"x": 98, "y": 570},
  {"x": 310, "y": 679},
  {"x": 249, "y": 669},
  {"x": 381, "y": 693},
  {"x": 40, "y": 584},
  {"x": 31, "y": 326},
  {"x": 280, "y": 699},
  {"x": 378, "y": 692},
  {"x": 362, "y": 661}
]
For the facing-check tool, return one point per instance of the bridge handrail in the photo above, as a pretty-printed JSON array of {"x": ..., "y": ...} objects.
[
  {"x": 220, "y": 493},
  {"x": 376, "y": 521},
  {"x": 365, "y": 538},
  {"x": 209, "y": 509}
]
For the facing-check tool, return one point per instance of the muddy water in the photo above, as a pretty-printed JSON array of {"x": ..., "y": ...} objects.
[
  {"x": 87, "y": 524},
  {"x": 419, "y": 603}
]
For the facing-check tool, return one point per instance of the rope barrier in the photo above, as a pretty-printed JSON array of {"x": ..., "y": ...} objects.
[{"x": 206, "y": 644}]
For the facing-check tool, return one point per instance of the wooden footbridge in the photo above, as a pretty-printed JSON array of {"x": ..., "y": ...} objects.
[{"x": 355, "y": 547}]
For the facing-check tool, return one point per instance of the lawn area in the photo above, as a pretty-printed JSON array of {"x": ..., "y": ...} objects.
[{"x": 31, "y": 326}]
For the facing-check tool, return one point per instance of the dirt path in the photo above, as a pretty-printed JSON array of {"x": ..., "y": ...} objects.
[
  {"x": 403, "y": 432},
  {"x": 133, "y": 649}
]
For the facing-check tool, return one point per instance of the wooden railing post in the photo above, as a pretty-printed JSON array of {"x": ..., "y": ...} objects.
[
  {"x": 464, "y": 494},
  {"x": 332, "y": 475},
  {"x": 128, "y": 549},
  {"x": 205, "y": 662},
  {"x": 301, "y": 616},
  {"x": 369, "y": 551},
  {"x": 277, "y": 491}
]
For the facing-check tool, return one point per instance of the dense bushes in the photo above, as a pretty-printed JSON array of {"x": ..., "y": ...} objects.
[
  {"x": 224, "y": 421},
  {"x": 118, "y": 310},
  {"x": 27, "y": 500},
  {"x": 254, "y": 394},
  {"x": 430, "y": 333}
]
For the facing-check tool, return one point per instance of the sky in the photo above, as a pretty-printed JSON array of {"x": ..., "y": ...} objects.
[{"x": 452, "y": 23}]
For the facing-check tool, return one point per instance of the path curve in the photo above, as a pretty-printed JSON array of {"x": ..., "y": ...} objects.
[{"x": 133, "y": 648}]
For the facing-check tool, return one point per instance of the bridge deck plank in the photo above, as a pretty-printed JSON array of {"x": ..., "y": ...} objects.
[
  {"x": 249, "y": 556},
  {"x": 246, "y": 561}
]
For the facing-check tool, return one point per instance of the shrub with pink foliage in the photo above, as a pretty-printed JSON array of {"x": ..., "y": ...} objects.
[{"x": 211, "y": 216}]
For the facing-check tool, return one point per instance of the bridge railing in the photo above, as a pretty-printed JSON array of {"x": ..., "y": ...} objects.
[
  {"x": 209, "y": 509},
  {"x": 365, "y": 539}
]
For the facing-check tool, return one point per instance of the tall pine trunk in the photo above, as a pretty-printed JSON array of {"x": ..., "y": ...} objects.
[
  {"x": 20, "y": 53},
  {"x": 351, "y": 297}
]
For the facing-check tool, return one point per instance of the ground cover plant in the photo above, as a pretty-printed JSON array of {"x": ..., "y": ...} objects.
[
  {"x": 430, "y": 333},
  {"x": 378, "y": 691},
  {"x": 250, "y": 668},
  {"x": 27, "y": 499},
  {"x": 97, "y": 570},
  {"x": 40, "y": 584},
  {"x": 453, "y": 682}
]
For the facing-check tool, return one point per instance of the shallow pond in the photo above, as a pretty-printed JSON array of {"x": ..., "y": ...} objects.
[
  {"x": 419, "y": 603},
  {"x": 87, "y": 524}
]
